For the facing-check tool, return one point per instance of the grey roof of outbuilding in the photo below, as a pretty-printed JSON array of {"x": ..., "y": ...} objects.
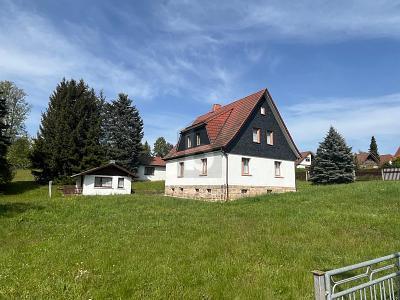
[{"x": 103, "y": 167}]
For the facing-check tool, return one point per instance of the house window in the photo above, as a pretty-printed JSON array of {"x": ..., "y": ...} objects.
[
  {"x": 181, "y": 169},
  {"x": 204, "y": 166},
  {"x": 277, "y": 168},
  {"x": 120, "y": 183},
  {"x": 263, "y": 110},
  {"x": 245, "y": 166},
  {"x": 270, "y": 137},
  {"x": 189, "y": 142},
  {"x": 198, "y": 141},
  {"x": 103, "y": 182},
  {"x": 256, "y": 135},
  {"x": 308, "y": 159},
  {"x": 149, "y": 170}
]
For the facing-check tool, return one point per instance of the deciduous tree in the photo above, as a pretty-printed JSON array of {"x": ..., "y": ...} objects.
[{"x": 5, "y": 169}]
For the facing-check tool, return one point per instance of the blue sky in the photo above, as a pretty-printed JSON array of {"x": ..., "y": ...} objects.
[{"x": 324, "y": 62}]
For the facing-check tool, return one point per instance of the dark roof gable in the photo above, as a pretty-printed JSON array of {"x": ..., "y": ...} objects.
[{"x": 223, "y": 124}]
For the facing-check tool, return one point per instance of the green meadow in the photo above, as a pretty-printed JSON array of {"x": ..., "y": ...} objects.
[{"x": 146, "y": 245}]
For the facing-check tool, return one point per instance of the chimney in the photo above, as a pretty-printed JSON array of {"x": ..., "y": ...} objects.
[{"x": 216, "y": 107}]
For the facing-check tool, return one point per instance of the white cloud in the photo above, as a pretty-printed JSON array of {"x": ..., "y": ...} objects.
[{"x": 357, "y": 119}]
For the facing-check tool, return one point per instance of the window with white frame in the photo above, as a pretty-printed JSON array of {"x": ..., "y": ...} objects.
[
  {"x": 256, "y": 135},
  {"x": 181, "y": 169},
  {"x": 189, "y": 142},
  {"x": 102, "y": 182},
  {"x": 204, "y": 166},
  {"x": 198, "y": 140},
  {"x": 270, "y": 137},
  {"x": 245, "y": 166},
  {"x": 149, "y": 170},
  {"x": 262, "y": 110},
  {"x": 278, "y": 169}
]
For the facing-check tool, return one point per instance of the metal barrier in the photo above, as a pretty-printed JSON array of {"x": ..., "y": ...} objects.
[{"x": 375, "y": 279}]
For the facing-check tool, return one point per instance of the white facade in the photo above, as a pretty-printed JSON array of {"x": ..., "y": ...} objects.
[
  {"x": 306, "y": 162},
  {"x": 89, "y": 188},
  {"x": 261, "y": 171},
  {"x": 159, "y": 173}
]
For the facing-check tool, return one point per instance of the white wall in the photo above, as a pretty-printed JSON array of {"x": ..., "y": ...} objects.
[
  {"x": 193, "y": 169},
  {"x": 262, "y": 172},
  {"x": 89, "y": 189},
  {"x": 303, "y": 164},
  {"x": 159, "y": 173}
]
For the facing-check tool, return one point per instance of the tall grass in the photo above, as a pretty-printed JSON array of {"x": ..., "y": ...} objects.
[{"x": 150, "y": 246}]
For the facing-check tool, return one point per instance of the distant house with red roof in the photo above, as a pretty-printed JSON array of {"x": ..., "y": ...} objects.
[
  {"x": 153, "y": 170},
  {"x": 369, "y": 161},
  {"x": 240, "y": 149},
  {"x": 305, "y": 160},
  {"x": 397, "y": 154}
]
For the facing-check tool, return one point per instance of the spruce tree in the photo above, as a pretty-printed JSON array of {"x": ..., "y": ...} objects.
[
  {"x": 373, "y": 148},
  {"x": 333, "y": 162},
  {"x": 69, "y": 135},
  {"x": 5, "y": 168},
  {"x": 123, "y": 132},
  {"x": 145, "y": 154},
  {"x": 162, "y": 147}
]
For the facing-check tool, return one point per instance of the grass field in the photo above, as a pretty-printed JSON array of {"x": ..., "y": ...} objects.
[{"x": 149, "y": 246}]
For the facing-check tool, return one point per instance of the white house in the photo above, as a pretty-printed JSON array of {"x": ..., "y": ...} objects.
[
  {"x": 153, "y": 170},
  {"x": 109, "y": 179},
  {"x": 305, "y": 160},
  {"x": 240, "y": 149}
]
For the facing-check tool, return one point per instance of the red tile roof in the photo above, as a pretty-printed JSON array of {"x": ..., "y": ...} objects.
[
  {"x": 224, "y": 123},
  {"x": 303, "y": 155},
  {"x": 363, "y": 156},
  {"x": 397, "y": 153},
  {"x": 385, "y": 158},
  {"x": 157, "y": 161}
]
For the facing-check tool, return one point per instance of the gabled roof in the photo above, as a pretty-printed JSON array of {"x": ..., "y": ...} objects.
[
  {"x": 363, "y": 156},
  {"x": 157, "y": 161},
  {"x": 111, "y": 164},
  {"x": 397, "y": 154},
  {"x": 223, "y": 124},
  {"x": 303, "y": 155},
  {"x": 385, "y": 158}
]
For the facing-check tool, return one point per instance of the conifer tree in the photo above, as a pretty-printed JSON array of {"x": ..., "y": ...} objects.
[
  {"x": 5, "y": 169},
  {"x": 145, "y": 154},
  {"x": 333, "y": 162},
  {"x": 373, "y": 148},
  {"x": 69, "y": 135},
  {"x": 162, "y": 147},
  {"x": 123, "y": 130}
]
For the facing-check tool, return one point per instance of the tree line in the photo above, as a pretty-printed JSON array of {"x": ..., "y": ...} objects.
[{"x": 78, "y": 130}]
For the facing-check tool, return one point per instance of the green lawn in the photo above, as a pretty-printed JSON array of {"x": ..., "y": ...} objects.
[{"x": 149, "y": 246}]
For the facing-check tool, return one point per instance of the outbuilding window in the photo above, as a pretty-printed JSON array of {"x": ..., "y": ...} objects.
[
  {"x": 149, "y": 171},
  {"x": 103, "y": 182},
  {"x": 120, "y": 183}
]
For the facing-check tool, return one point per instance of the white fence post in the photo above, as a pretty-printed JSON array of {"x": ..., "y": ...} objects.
[
  {"x": 50, "y": 184},
  {"x": 319, "y": 285}
]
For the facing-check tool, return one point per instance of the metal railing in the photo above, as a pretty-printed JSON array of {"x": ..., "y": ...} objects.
[{"x": 375, "y": 279}]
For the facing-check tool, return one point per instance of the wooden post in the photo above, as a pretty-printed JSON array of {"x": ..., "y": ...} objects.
[
  {"x": 319, "y": 285},
  {"x": 50, "y": 184}
]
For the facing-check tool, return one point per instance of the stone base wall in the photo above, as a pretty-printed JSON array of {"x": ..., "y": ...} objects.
[{"x": 218, "y": 192}]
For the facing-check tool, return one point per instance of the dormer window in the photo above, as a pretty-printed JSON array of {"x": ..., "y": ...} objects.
[
  {"x": 198, "y": 141},
  {"x": 189, "y": 142},
  {"x": 262, "y": 110}
]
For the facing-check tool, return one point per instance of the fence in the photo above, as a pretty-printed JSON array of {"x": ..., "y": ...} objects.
[
  {"x": 368, "y": 174},
  {"x": 391, "y": 174},
  {"x": 374, "y": 279},
  {"x": 69, "y": 190}
]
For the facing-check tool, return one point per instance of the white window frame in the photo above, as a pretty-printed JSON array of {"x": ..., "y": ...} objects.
[
  {"x": 243, "y": 166},
  {"x": 189, "y": 141},
  {"x": 204, "y": 167},
  {"x": 181, "y": 169},
  {"x": 263, "y": 110},
  {"x": 123, "y": 182},
  {"x": 198, "y": 139},
  {"x": 256, "y": 135},
  {"x": 101, "y": 186},
  {"x": 270, "y": 137},
  {"x": 278, "y": 169}
]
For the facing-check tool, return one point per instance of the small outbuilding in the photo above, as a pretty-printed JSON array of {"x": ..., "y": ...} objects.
[
  {"x": 152, "y": 170},
  {"x": 110, "y": 179}
]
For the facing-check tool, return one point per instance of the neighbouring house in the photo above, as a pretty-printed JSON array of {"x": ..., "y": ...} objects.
[
  {"x": 153, "y": 170},
  {"x": 109, "y": 179},
  {"x": 240, "y": 149},
  {"x": 369, "y": 161},
  {"x": 305, "y": 160},
  {"x": 397, "y": 154}
]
